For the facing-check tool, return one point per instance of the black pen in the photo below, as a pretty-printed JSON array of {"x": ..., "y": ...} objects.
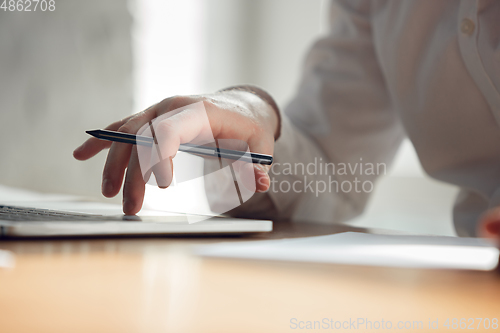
[{"x": 185, "y": 147}]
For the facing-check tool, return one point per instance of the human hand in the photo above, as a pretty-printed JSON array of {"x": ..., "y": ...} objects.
[
  {"x": 489, "y": 225},
  {"x": 232, "y": 114}
]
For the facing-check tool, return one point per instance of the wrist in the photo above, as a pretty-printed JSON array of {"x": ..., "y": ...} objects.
[{"x": 267, "y": 99}]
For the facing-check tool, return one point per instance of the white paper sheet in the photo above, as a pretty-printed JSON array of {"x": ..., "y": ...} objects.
[
  {"x": 367, "y": 249},
  {"x": 6, "y": 259}
]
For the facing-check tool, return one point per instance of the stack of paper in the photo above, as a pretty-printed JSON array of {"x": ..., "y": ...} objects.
[{"x": 367, "y": 249}]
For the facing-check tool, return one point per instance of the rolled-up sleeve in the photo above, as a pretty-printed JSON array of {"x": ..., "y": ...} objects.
[{"x": 339, "y": 133}]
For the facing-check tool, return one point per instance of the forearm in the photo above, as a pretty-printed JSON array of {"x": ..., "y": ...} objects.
[{"x": 294, "y": 192}]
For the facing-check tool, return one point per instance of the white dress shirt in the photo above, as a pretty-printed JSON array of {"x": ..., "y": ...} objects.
[{"x": 424, "y": 69}]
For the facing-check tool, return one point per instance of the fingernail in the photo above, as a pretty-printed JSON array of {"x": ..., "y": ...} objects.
[
  {"x": 259, "y": 181},
  {"x": 162, "y": 183},
  {"x": 77, "y": 150},
  {"x": 107, "y": 186},
  {"x": 127, "y": 206},
  {"x": 262, "y": 191}
]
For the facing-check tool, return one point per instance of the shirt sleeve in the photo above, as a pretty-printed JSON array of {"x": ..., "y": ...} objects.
[{"x": 338, "y": 134}]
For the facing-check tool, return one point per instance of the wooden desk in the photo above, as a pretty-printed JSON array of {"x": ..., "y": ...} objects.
[{"x": 156, "y": 285}]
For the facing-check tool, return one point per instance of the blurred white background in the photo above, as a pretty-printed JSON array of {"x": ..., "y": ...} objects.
[
  {"x": 152, "y": 49},
  {"x": 61, "y": 73}
]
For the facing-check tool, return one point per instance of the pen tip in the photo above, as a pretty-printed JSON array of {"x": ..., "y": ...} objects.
[{"x": 93, "y": 132}]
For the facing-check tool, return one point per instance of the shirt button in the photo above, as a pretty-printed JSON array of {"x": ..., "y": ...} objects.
[{"x": 467, "y": 26}]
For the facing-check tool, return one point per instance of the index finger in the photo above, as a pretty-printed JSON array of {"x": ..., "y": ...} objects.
[{"x": 93, "y": 146}]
